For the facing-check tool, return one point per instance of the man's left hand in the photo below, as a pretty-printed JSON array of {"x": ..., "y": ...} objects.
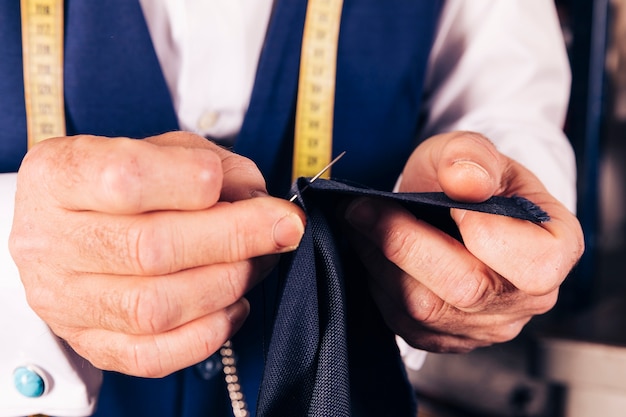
[{"x": 442, "y": 295}]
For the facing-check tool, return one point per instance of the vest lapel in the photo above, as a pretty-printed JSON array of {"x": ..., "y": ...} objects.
[
  {"x": 268, "y": 126},
  {"x": 382, "y": 55},
  {"x": 12, "y": 117},
  {"x": 113, "y": 82},
  {"x": 382, "y": 58}
]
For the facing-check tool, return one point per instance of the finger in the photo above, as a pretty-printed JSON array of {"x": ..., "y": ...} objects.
[
  {"x": 242, "y": 178},
  {"x": 465, "y": 165},
  {"x": 146, "y": 305},
  {"x": 121, "y": 175},
  {"x": 424, "y": 320},
  {"x": 418, "y": 334},
  {"x": 536, "y": 258},
  {"x": 164, "y": 242},
  {"x": 436, "y": 260},
  {"x": 155, "y": 356},
  {"x": 422, "y": 251}
]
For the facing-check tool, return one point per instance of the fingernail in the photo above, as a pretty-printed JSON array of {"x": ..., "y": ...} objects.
[
  {"x": 472, "y": 168},
  {"x": 258, "y": 193},
  {"x": 458, "y": 215},
  {"x": 362, "y": 213},
  {"x": 238, "y": 312},
  {"x": 288, "y": 231}
]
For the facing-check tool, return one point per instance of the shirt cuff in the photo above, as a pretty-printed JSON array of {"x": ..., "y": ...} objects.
[
  {"x": 413, "y": 358},
  {"x": 54, "y": 379}
]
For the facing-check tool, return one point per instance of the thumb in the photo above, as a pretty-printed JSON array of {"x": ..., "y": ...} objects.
[{"x": 464, "y": 165}]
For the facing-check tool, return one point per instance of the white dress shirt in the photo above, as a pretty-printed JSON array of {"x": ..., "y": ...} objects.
[{"x": 497, "y": 67}]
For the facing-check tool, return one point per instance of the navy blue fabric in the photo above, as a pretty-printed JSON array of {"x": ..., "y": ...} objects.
[
  {"x": 12, "y": 110},
  {"x": 382, "y": 57},
  {"x": 307, "y": 362},
  {"x": 432, "y": 206},
  {"x": 113, "y": 82},
  {"x": 114, "y": 87},
  {"x": 327, "y": 330}
]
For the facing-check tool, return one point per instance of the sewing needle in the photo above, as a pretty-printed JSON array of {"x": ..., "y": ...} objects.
[{"x": 319, "y": 174}]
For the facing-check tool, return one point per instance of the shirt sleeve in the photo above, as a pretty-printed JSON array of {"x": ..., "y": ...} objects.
[
  {"x": 500, "y": 68},
  {"x": 38, "y": 372}
]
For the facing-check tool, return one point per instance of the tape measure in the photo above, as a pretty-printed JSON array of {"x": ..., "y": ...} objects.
[
  {"x": 42, "y": 46},
  {"x": 316, "y": 89},
  {"x": 42, "y": 56},
  {"x": 42, "y": 43}
]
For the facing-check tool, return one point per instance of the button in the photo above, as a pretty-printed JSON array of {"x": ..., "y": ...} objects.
[
  {"x": 210, "y": 367},
  {"x": 208, "y": 120},
  {"x": 29, "y": 381}
]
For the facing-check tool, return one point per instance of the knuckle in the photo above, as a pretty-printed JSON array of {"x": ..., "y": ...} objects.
[
  {"x": 27, "y": 244},
  {"x": 146, "y": 310},
  {"x": 207, "y": 177},
  {"x": 239, "y": 246},
  {"x": 119, "y": 353},
  {"x": 125, "y": 356},
  {"x": 474, "y": 139},
  {"x": 545, "y": 273},
  {"x": 208, "y": 188},
  {"x": 22, "y": 246},
  {"x": 145, "y": 363},
  {"x": 243, "y": 165},
  {"x": 469, "y": 290},
  {"x": 400, "y": 244},
  {"x": 149, "y": 249},
  {"x": 41, "y": 300},
  {"x": 468, "y": 135},
  {"x": 120, "y": 176},
  {"x": 204, "y": 344},
  {"x": 428, "y": 308},
  {"x": 231, "y": 284},
  {"x": 37, "y": 158}
]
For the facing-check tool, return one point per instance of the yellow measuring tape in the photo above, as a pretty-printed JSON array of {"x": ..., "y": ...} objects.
[
  {"x": 42, "y": 46},
  {"x": 42, "y": 55},
  {"x": 42, "y": 43},
  {"x": 316, "y": 89}
]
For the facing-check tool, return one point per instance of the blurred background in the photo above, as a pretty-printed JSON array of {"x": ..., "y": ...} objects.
[{"x": 572, "y": 361}]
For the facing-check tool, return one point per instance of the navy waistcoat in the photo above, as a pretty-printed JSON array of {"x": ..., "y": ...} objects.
[{"x": 114, "y": 87}]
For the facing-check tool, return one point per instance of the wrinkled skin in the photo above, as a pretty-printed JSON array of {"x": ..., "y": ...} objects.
[
  {"x": 139, "y": 253},
  {"x": 441, "y": 295}
]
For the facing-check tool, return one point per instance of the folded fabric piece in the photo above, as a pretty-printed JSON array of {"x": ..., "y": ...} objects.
[{"x": 330, "y": 353}]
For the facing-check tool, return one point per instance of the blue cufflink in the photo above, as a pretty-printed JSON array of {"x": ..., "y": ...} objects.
[{"x": 29, "y": 381}]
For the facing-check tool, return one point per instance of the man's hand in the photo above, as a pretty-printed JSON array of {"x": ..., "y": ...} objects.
[
  {"x": 445, "y": 296},
  {"x": 138, "y": 253}
]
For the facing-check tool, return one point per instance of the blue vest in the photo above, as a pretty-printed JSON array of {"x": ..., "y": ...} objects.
[{"x": 114, "y": 87}]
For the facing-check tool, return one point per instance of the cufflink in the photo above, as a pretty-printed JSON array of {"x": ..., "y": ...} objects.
[{"x": 30, "y": 381}]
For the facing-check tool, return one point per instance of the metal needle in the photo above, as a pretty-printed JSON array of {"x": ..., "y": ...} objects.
[{"x": 319, "y": 174}]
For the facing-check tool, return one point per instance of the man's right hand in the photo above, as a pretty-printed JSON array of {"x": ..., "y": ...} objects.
[{"x": 138, "y": 252}]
